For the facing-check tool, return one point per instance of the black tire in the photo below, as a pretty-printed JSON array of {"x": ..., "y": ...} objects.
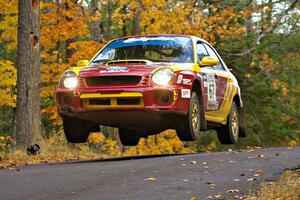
[
  {"x": 128, "y": 137},
  {"x": 188, "y": 130},
  {"x": 229, "y": 133},
  {"x": 78, "y": 130}
]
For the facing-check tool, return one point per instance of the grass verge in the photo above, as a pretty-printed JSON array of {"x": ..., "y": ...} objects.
[{"x": 287, "y": 187}]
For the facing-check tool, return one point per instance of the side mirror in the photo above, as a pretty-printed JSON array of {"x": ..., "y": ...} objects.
[
  {"x": 209, "y": 61},
  {"x": 83, "y": 63}
]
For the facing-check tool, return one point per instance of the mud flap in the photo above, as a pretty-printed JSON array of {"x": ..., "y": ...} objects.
[{"x": 203, "y": 124}]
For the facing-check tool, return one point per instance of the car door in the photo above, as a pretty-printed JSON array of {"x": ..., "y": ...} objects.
[
  {"x": 208, "y": 74},
  {"x": 217, "y": 84}
]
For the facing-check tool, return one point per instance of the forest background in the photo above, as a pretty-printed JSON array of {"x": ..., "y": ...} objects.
[{"x": 259, "y": 40}]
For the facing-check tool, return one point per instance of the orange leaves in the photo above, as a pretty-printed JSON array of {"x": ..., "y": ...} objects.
[
  {"x": 8, "y": 76},
  {"x": 264, "y": 63},
  {"x": 5, "y": 141},
  {"x": 83, "y": 50},
  {"x": 279, "y": 85},
  {"x": 96, "y": 138},
  {"x": 51, "y": 113},
  {"x": 59, "y": 23},
  {"x": 165, "y": 142},
  {"x": 8, "y": 23}
]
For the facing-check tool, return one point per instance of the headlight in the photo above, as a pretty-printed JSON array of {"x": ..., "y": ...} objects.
[
  {"x": 163, "y": 76},
  {"x": 69, "y": 80}
]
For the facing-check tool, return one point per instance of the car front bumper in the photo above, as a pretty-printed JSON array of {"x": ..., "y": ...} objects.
[{"x": 113, "y": 106}]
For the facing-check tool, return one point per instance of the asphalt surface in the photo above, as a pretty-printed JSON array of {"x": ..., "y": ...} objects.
[{"x": 223, "y": 175}]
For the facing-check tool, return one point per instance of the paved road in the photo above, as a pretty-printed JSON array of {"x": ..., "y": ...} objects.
[{"x": 166, "y": 177}]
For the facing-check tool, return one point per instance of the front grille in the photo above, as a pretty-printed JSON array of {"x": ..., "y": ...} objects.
[{"x": 113, "y": 80}]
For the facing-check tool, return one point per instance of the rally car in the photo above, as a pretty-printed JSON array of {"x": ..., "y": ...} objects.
[{"x": 143, "y": 85}]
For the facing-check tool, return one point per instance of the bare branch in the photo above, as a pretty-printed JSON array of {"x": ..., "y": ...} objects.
[{"x": 278, "y": 18}]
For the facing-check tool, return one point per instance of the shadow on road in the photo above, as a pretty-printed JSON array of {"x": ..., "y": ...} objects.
[{"x": 121, "y": 158}]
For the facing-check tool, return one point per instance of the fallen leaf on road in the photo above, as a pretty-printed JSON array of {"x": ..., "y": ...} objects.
[
  {"x": 150, "y": 179},
  {"x": 242, "y": 174},
  {"x": 258, "y": 171},
  {"x": 212, "y": 185},
  {"x": 194, "y": 198},
  {"x": 218, "y": 196},
  {"x": 260, "y": 156}
]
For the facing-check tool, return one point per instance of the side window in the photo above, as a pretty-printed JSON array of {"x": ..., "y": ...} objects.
[
  {"x": 211, "y": 52},
  {"x": 201, "y": 51}
]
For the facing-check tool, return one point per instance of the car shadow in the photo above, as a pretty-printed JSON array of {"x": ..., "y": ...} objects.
[{"x": 114, "y": 159}]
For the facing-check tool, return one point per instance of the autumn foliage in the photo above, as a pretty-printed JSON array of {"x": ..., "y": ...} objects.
[{"x": 243, "y": 32}]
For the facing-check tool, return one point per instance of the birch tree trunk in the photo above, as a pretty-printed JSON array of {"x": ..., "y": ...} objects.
[{"x": 28, "y": 119}]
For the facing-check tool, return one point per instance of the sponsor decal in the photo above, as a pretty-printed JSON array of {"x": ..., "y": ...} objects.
[
  {"x": 210, "y": 84},
  {"x": 186, "y": 81},
  {"x": 145, "y": 39},
  {"x": 175, "y": 96},
  {"x": 179, "y": 80},
  {"x": 213, "y": 105},
  {"x": 114, "y": 69},
  {"x": 211, "y": 87},
  {"x": 185, "y": 93}
]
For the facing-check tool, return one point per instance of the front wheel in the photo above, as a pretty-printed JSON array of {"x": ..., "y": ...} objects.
[
  {"x": 78, "y": 130},
  {"x": 229, "y": 133},
  {"x": 128, "y": 137},
  {"x": 189, "y": 126}
]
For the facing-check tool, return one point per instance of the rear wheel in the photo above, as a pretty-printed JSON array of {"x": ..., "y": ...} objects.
[
  {"x": 229, "y": 133},
  {"x": 189, "y": 126},
  {"x": 78, "y": 130},
  {"x": 128, "y": 137}
]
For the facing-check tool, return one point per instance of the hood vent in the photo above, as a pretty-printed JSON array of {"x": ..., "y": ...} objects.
[{"x": 138, "y": 61}]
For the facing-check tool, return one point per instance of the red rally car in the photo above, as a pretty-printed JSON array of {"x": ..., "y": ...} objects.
[{"x": 143, "y": 85}]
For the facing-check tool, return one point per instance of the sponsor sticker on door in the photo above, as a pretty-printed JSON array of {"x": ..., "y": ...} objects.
[{"x": 185, "y": 93}]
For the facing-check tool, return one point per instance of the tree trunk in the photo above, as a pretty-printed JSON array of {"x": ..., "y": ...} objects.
[
  {"x": 28, "y": 119},
  {"x": 95, "y": 24},
  {"x": 136, "y": 21},
  {"x": 109, "y": 20}
]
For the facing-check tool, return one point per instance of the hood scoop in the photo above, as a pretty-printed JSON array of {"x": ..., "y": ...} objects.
[{"x": 135, "y": 61}]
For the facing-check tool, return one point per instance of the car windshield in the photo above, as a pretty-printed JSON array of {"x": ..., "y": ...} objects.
[{"x": 154, "y": 48}]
